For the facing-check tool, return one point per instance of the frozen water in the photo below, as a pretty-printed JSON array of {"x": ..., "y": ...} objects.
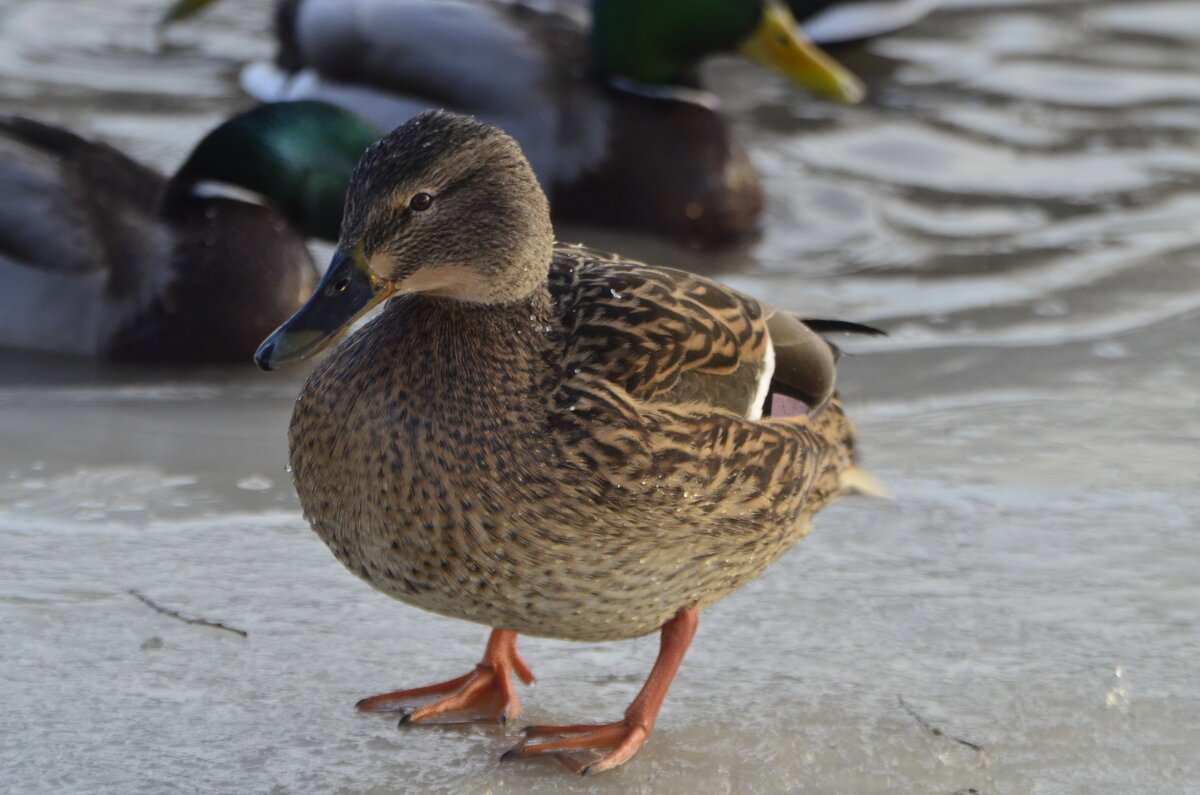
[{"x": 1029, "y": 240}]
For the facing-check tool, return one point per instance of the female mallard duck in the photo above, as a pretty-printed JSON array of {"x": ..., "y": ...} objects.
[
  {"x": 611, "y": 116},
  {"x": 102, "y": 256},
  {"x": 544, "y": 440}
]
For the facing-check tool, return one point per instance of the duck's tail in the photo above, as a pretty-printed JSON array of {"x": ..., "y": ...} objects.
[{"x": 856, "y": 480}]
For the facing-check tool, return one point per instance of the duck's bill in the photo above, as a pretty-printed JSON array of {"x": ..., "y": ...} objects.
[
  {"x": 779, "y": 44},
  {"x": 349, "y": 290}
]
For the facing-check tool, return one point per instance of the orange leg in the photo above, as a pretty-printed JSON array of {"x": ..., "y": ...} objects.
[
  {"x": 580, "y": 747},
  {"x": 484, "y": 695}
]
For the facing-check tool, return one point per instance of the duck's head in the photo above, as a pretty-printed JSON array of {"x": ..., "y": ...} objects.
[
  {"x": 662, "y": 43},
  {"x": 444, "y": 206},
  {"x": 295, "y": 156}
]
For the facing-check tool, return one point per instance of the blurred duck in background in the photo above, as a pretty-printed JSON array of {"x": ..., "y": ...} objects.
[
  {"x": 102, "y": 256},
  {"x": 611, "y": 114}
]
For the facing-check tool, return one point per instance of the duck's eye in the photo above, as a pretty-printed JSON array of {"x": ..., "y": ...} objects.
[
  {"x": 340, "y": 285},
  {"x": 420, "y": 201}
]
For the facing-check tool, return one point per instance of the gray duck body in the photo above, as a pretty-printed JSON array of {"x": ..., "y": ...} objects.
[{"x": 102, "y": 256}]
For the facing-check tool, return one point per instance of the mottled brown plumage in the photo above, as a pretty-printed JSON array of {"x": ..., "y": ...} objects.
[
  {"x": 584, "y": 461},
  {"x": 504, "y": 466}
]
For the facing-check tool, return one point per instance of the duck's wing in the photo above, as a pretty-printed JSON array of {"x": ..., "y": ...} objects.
[
  {"x": 65, "y": 200},
  {"x": 666, "y": 379},
  {"x": 674, "y": 338},
  {"x": 388, "y": 61},
  {"x": 464, "y": 53},
  {"x": 77, "y": 229}
]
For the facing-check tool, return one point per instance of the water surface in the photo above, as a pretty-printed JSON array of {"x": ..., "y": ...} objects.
[{"x": 1017, "y": 203}]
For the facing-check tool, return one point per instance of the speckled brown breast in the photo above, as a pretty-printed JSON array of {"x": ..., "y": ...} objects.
[{"x": 448, "y": 456}]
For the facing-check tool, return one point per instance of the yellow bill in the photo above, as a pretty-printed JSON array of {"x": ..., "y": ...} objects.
[{"x": 780, "y": 45}]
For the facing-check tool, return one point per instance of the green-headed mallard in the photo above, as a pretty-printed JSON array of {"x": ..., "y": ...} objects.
[
  {"x": 102, "y": 256},
  {"x": 612, "y": 116},
  {"x": 544, "y": 440}
]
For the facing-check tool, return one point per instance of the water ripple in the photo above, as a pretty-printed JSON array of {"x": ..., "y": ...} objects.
[
  {"x": 1170, "y": 20},
  {"x": 65, "y": 48},
  {"x": 907, "y": 153},
  {"x": 1088, "y": 85}
]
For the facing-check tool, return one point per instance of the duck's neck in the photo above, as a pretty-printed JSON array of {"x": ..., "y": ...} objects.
[
  {"x": 662, "y": 43},
  {"x": 294, "y": 156},
  {"x": 475, "y": 366}
]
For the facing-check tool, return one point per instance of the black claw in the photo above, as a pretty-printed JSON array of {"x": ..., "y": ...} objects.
[
  {"x": 511, "y": 753},
  {"x": 586, "y": 770},
  {"x": 405, "y": 716}
]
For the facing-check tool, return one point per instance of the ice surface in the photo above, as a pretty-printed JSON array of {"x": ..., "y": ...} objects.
[{"x": 1030, "y": 588}]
